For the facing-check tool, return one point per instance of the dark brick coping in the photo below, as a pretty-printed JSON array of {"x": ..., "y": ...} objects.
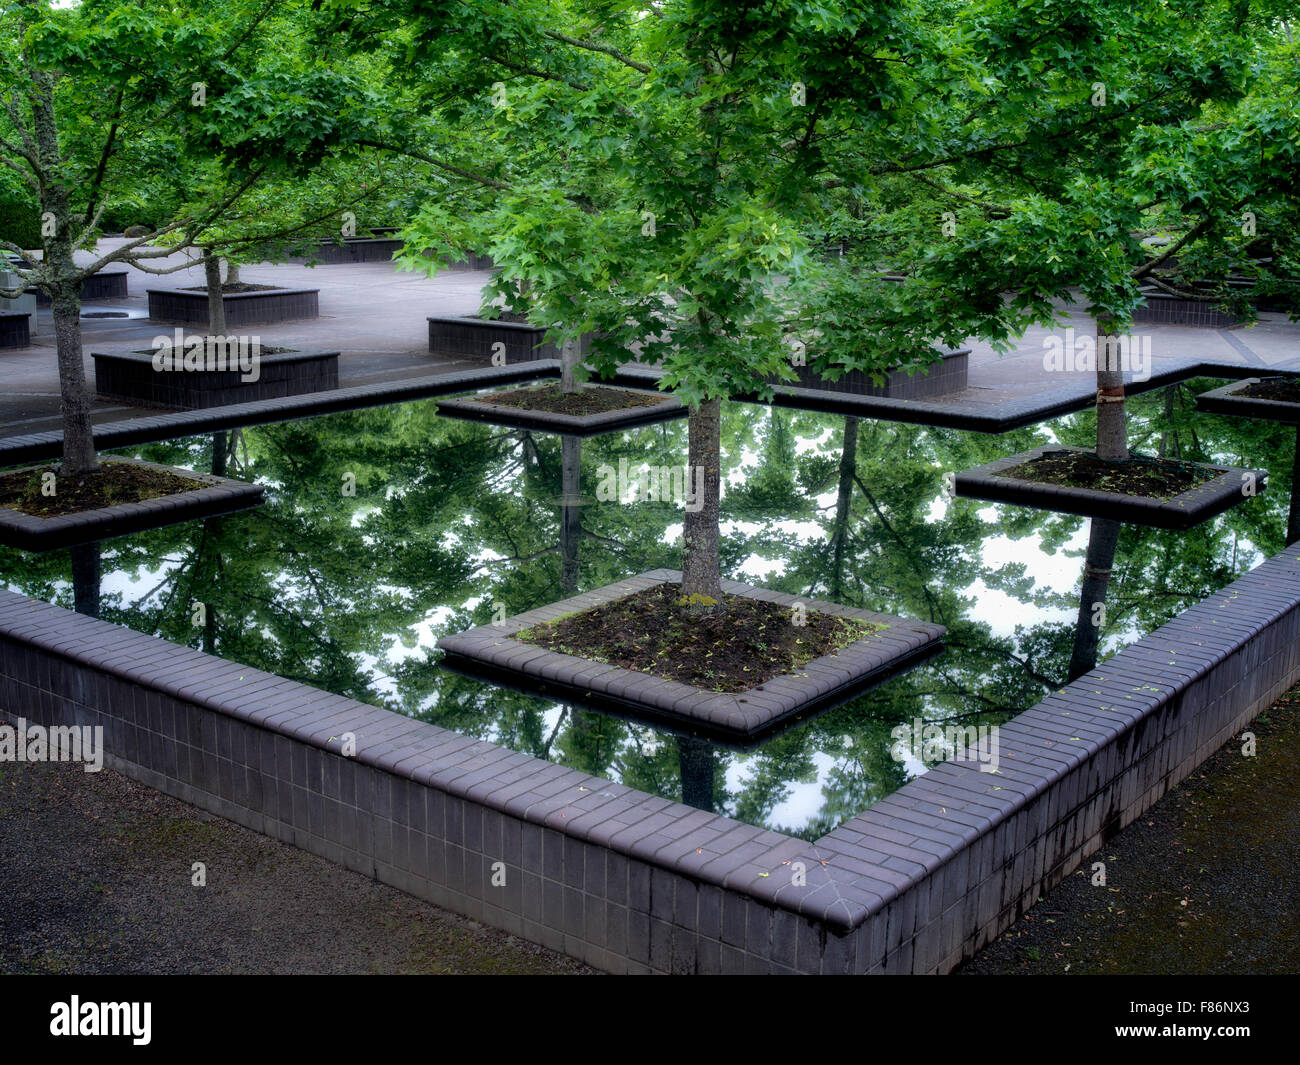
[
  {"x": 952, "y": 413},
  {"x": 495, "y": 323},
  {"x": 573, "y": 424},
  {"x": 33, "y": 447},
  {"x": 870, "y": 861},
  {"x": 1181, "y": 512},
  {"x": 741, "y": 715},
  {"x": 30, "y": 533},
  {"x": 1225, "y": 401},
  {"x": 296, "y": 355},
  {"x": 1013, "y": 414},
  {"x": 258, "y": 294}
]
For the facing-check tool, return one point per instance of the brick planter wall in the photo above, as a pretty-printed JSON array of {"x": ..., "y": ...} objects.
[
  {"x": 473, "y": 339},
  {"x": 1163, "y": 309},
  {"x": 130, "y": 376},
  {"x": 242, "y": 308},
  {"x": 15, "y": 329},
  {"x": 633, "y": 883},
  {"x": 943, "y": 378},
  {"x": 110, "y": 285}
]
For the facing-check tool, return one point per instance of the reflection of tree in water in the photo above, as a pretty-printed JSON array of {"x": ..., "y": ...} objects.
[{"x": 451, "y": 519}]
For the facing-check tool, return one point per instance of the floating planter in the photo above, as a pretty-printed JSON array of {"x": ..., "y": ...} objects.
[
  {"x": 1034, "y": 479},
  {"x": 256, "y": 305},
  {"x": 181, "y": 496},
  {"x": 868, "y": 647},
  {"x": 595, "y": 409},
  {"x": 1273, "y": 399},
  {"x": 213, "y": 379}
]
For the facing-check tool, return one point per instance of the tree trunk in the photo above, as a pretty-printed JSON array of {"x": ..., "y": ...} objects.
[
  {"x": 78, "y": 436},
  {"x": 848, "y": 467},
  {"x": 85, "y": 579},
  {"x": 216, "y": 305},
  {"x": 62, "y": 279},
  {"x": 1112, "y": 428},
  {"x": 232, "y": 273},
  {"x": 701, "y": 566},
  {"x": 571, "y": 352},
  {"x": 1293, "y": 519},
  {"x": 1102, "y": 538},
  {"x": 570, "y": 512},
  {"x": 695, "y": 759}
]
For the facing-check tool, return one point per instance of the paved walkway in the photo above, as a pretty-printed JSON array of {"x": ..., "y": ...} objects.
[
  {"x": 95, "y": 874},
  {"x": 1207, "y": 881},
  {"x": 375, "y": 315}
]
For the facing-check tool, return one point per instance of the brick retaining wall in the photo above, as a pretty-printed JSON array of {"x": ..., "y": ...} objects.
[{"x": 634, "y": 883}]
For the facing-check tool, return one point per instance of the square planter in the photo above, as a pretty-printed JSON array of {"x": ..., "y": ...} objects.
[
  {"x": 738, "y": 717},
  {"x": 1225, "y": 400},
  {"x": 220, "y": 496},
  {"x": 109, "y": 285},
  {"x": 479, "y": 340},
  {"x": 242, "y": 308},
  {"x": 1228, "y": 488},
  {"x": 942, "y": 378},
  {"x": 665, "y": 408},
  {"x": 130, "y": 376},
  {"x": 1161, "y": 308},
  {"x": 15, "y": 329}
]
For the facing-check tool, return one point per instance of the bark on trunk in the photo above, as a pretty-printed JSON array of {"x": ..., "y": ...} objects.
[
  {"x": 701, "y": 566},
  {"x": 848, "y": 467},
  {"x": 1112, "y": 428},
  {"x": 62, "y": 279},
  {"x": 1293, "y": 519},
  {"x": 216, "y": 305},
  {"x": 570, "y": 356},
  {"x": 232, "y": 273},
  {"x": 1102, "y": 538},
  {"x": 570, "y": 512},
  {"x": 78, "y": 436}
]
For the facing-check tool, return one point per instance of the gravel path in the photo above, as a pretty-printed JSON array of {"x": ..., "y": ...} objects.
[{"x": 95, "y": 878}]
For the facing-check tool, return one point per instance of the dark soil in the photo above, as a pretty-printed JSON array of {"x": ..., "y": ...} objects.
[
  {"x": 1281, "y": 389},
  {"x": 592, "y": 399},
  {"x": 1137, "y": 476},
  {"x": 113, "y": 483},
  {"x": 239, "y": 286},
  {"x": 652, "y": 632}
]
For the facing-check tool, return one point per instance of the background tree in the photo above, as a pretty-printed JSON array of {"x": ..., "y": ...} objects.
[{"x": 97, "y": 93}]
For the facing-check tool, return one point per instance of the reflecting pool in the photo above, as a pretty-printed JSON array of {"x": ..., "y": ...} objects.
[{"x": 386, "y": 528}]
